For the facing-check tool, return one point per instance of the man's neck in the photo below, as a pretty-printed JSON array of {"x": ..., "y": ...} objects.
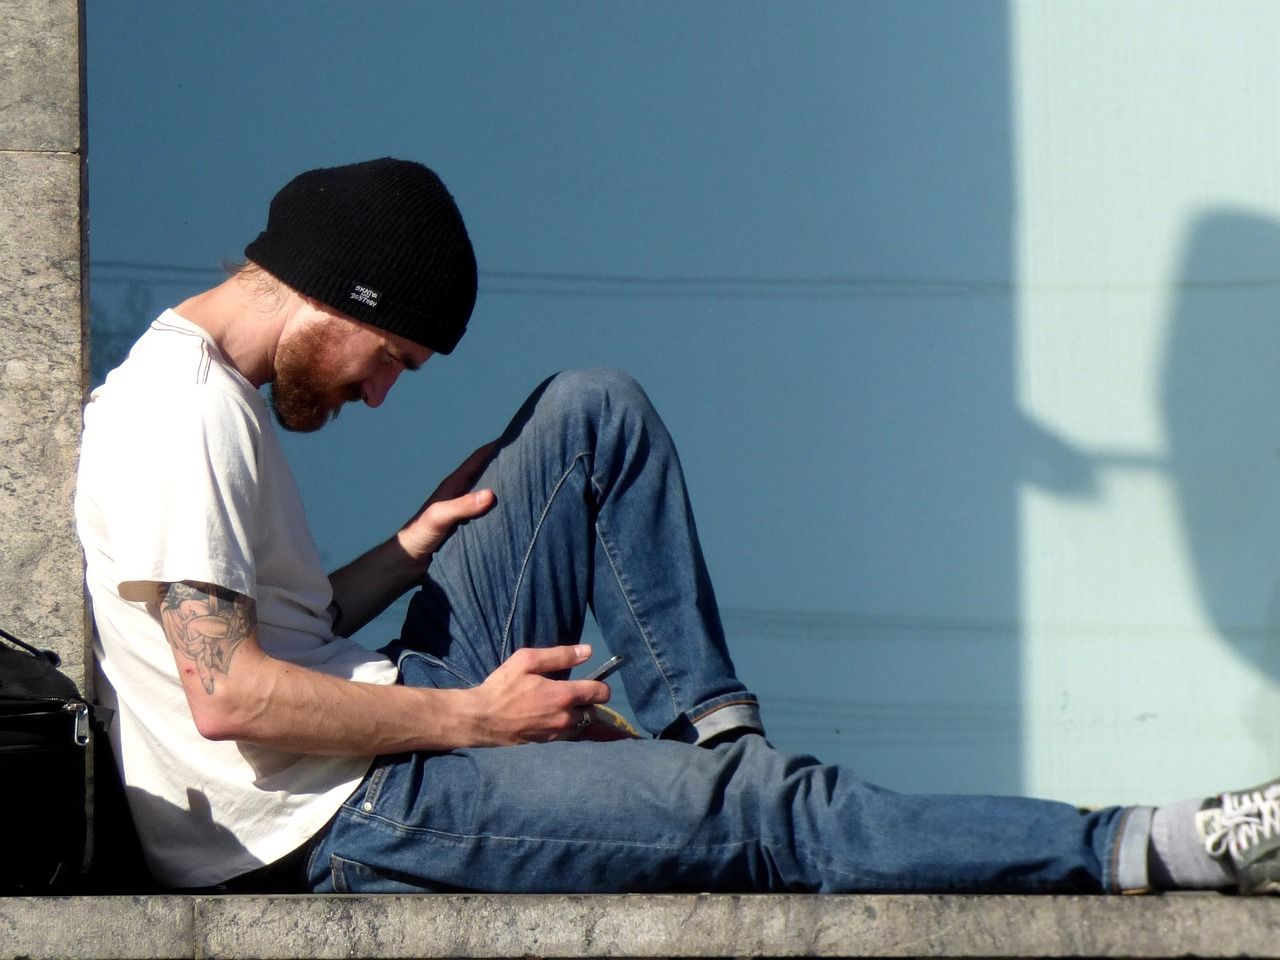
[{"x": 244, "y": 322}]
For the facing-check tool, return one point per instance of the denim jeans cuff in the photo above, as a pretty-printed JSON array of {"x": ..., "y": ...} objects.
[
  {"x": 1129, "y": 852},
  {"x": 732, "y": 712}
]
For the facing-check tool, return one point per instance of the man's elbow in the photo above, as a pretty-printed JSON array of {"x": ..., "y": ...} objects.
[
  {"x": 216, "y": 727},
  {"x": 222, "y": 718}
]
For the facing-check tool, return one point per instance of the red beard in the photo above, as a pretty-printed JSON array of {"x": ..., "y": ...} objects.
[{"x": 302, "y": 393}]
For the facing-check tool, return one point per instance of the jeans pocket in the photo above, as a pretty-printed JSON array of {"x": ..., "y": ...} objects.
[
  {"x": 352, "y": 876},
  {"x": 418, "y": 669},
  {"x": 365, "y": 796}
]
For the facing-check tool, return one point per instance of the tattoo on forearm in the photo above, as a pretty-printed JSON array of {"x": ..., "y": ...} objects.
[{"x": 205, "y": 623}]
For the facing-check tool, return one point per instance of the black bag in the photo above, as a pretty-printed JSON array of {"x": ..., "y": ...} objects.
[{"x": 44, "y": 730}]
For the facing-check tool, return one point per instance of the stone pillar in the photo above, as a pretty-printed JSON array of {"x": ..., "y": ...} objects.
[{"x": 43, "y": 338}]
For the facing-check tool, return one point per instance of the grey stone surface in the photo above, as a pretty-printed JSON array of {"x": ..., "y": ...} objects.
[
  {"x": 40, "y": 75},
  {"x": 42, "y": 376},
  {"x": 42, "y": 349},
  {"x": 1191, "y": 925},
  {"x": 143, "y": 927}
]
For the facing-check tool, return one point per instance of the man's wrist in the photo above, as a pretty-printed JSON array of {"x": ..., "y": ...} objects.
[
  {"x": 458, "y": 718},
  {"x": 415, "y": 564}
]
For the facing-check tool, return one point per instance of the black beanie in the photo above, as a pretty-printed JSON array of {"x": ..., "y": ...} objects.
[{"x": 381, "y": 241}]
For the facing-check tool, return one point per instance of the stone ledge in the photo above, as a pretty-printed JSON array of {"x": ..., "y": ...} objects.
[{"x": 458, "y": 925}]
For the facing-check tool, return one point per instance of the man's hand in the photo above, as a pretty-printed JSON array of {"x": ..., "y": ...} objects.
[
  {"x": 518, "y": 704},
  {"x": 449, "y": 505}
]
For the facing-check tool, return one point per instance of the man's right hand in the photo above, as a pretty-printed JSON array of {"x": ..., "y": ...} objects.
[
  {"x": 238, "y": 692},
  {"x": 518, "y": 703}
]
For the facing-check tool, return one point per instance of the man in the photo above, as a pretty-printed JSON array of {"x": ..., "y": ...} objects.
[{"x": 260, "y": 748}]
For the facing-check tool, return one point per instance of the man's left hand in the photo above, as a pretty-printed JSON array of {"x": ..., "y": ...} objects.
[{"x": 449, "y": 505}]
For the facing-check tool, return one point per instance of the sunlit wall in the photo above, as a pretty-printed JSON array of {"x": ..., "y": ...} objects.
[{"x": 1147, "y": 167}]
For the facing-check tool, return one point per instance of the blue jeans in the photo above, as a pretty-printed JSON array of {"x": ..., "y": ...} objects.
[{"x": 592, "y": 514}]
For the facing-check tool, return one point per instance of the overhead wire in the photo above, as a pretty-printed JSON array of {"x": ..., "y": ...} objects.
[
  {"x": 626, "y": 286},
  {"x": 571, "y": 284}
]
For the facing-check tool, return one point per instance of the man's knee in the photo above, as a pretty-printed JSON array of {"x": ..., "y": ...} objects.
[{"x": 596, "y": 390}]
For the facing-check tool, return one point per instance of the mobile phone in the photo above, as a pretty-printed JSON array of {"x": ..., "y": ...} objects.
[{"x": 607, "y": 668}]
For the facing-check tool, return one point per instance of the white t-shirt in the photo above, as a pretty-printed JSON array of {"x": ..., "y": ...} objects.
[{"x": 182, "y": 477}]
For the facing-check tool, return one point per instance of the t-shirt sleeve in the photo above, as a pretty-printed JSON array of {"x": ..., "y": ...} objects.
[{"x": 184, "y": 496}]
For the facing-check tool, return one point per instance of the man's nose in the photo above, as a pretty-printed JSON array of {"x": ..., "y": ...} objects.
[{"x": 375, "y": 389}]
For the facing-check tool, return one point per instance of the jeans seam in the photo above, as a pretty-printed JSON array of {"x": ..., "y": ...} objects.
[
  {"x": 803, "y": 852},
  {"x": 426, "y": 832},
  {"x": 435, "y": 662},
  {"x": 716, "y": 707},
  {"x": 372, "y": 787},
  {"x": 528, "y": 554},
  {"x": 806, "y": 853},
  {"x": 338, "y": 876},
  {"x": 1111, "y": 876},
  {"x": 317, "y": 843},
  {"x": 672, "y": 687}
]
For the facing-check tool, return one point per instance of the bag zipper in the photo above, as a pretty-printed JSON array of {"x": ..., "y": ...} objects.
[{"x": 80, "y": 731}]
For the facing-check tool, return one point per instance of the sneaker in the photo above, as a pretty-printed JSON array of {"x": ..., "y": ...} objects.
[
  {"x": 1243, "y": 830},
  {"x": 604, "y": 724}
]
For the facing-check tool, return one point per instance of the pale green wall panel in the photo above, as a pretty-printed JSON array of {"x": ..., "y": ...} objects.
[{"x": 1148, "y": 326}]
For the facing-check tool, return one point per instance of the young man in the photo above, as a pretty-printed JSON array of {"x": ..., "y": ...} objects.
[{"x": 260, "y": 748}]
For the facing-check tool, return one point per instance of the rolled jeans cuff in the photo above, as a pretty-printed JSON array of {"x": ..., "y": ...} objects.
[
  {"x": 733, "y": 711},
  {"x": 1129, "y": 852}
]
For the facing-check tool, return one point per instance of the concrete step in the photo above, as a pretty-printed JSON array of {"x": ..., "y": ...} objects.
[{"x": 677, "y": 925}]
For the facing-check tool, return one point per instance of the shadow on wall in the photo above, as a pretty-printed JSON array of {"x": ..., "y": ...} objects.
[{"x": 1221, "y": 403}]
